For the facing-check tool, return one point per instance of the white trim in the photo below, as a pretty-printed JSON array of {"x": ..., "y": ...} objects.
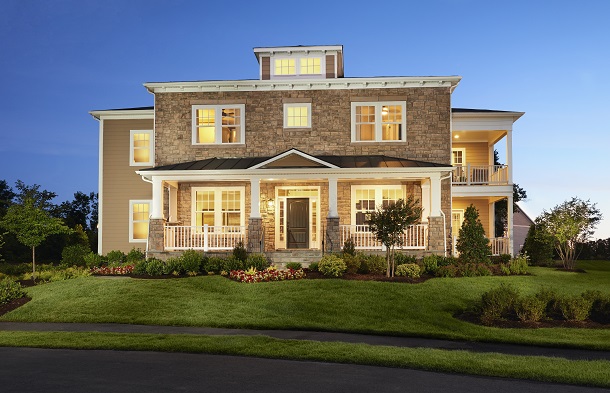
[
  {"x": 298, "y": 57},
  {"x": 378, "y": 195},
  {"x": 151, "y": 148},
  {"x": 289, "y": 152},
  {"x": 297, "y": 105},
  {"x": 304, "y": 84},
  {"x": 481, "y": 191},
  {"x": 218, "y": 124},
  {"x": 123, "y": 114},
  {"x": 218, "y": 203},
  {"x": 131, "y": 222},
  {"x": 461, "y": 149},
  {"x": 100, "y": 188},
  {"x": 378, "y": 121}
]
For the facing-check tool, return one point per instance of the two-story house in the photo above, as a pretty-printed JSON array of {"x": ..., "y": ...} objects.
[{"x": 292, "y": 162}]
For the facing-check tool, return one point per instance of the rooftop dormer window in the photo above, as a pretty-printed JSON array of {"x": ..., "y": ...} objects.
[{"x": 297, "y": 66}]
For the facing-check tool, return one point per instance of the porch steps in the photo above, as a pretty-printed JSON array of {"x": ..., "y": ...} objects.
[{"x": 305, "y": 257}]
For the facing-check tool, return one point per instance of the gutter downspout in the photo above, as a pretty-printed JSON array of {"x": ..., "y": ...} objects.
[{"x": 146, "y": 251}]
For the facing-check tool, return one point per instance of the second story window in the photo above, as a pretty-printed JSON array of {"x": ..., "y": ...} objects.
[
  {"x": 297, "y": 115},
  {"x": 141, "y": 148},
  {"x": 218, "y": 124},
  {"x": 310, "y": 66},
  {"x": 285, "y": 67},
  {"x": 458, "y": 157},
  {"x": 378, "y": 121}
]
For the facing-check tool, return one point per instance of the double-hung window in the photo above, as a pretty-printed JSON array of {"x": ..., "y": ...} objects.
[
  {"x": 297, "y": 115},
  {"x": 379, "y": 121},
  {"x": 141, "y": 151},
  {"x": 219, "y": 207},
  {"x": 218, "y": 124},
  {"x": 138, "y": 220},
  {"x": 365, "y": 199}
]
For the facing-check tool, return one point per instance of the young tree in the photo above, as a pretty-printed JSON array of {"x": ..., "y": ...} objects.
[
  {"x": 569, "y": 223},
  {"x": 389, "y": 223},
  {"x": 472, "y": 244},
  {"x": 31, "y": 225}
]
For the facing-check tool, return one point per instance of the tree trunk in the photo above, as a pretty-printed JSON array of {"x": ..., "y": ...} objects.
[
  {"x": 33, "y": 263},
  {"x": 387, "y": 260}
]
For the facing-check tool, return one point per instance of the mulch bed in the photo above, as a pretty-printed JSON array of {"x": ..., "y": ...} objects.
[
  {"x": 15, "y": 303},
  {"x": 515, "y": 324}
]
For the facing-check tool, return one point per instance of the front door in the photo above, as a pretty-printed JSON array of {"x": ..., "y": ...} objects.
[{"x": 297, "y": 223}]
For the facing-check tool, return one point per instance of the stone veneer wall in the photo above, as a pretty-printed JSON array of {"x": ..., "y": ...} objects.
[{"x": 428, "y": 124}]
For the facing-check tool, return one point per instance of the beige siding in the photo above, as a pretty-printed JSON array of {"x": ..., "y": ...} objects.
[
  {"x": 476, "y": 153},
  {"x": 120, "y": 184},
  {"x": 482, "y": 206}
]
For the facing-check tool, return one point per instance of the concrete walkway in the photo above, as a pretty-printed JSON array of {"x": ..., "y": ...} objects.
[{"x": 411, "y": 342}]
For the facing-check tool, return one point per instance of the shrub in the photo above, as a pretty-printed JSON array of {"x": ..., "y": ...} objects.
[
  {"x": 408, "y": 270},
  {"x": 352, "y": 262},
  {"x": 293, "y": 265},
  {"x": 154, "y": 267},
  {"x": 74, "y": 255},
  {"x": 260, "y": 262},
  {"x": 135, "y": 255},
  {"x": 314, "y": 267},
  {"x": 372, "y": 264},
  {"x": 530, "y": 308},
  {"x": 93, "y": 259},
  {"x": 140, "y": 267},
  {"x": 446, "y": 261},
  {"x": 213, "y": 265},
  {"x": 191, "y": 261},
  {"x": 401, "y": 259},
  {"x": 600, "y": 308},
  {"x": 10, "y": 290},
  {"x": 575, "y": 308},
  {"x": 505, "y": 269},
  {"x": 349, "y": 247},
  {"x": 472, "y": 244},
  {"x": 173, "y": 266},
  {"x": 482, "y": 270},
  {"x": 447, "y": 271},
  {"x": 550, "y": 299},
  {"x": 15, "y": 269},
  {"x": 498, "y": 303},
  {"x": 239, "y": 252},
  {"x": 502, "y": 258},
  {"x": 115, "y": 256},
  {"x": 232, "y": 263},
  {"x": 430, "y": 264},
  {"x": 518, "y": 265},
  {"x": 332, "y": 266}
]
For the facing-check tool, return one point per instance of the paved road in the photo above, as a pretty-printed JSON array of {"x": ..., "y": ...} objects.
[{"x": 66, "y": 371}]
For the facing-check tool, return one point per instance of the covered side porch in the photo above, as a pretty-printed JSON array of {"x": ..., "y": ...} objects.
[{"x": 292, "y": 201}]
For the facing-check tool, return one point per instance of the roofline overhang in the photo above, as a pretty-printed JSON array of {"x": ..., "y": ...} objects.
[
  {"x": 294, "y": 173},
  {"x": 485, "y": 114},
  {"x": 121, "y": 114},
  {"x": 304, "y": 84},
  {"x": 296, "y": 49}
]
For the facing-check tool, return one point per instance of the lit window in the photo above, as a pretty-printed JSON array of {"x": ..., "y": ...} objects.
[
  {"x": 141, "y": 148},
  {"x": 219, "y": 206},
  {"x": 218, "y": 124},
  {"x": 378, "y": 122},
  {"x": 138, "y": 221},
  {"x": 365, "y": 199},
  {"x": 310, "y": 66},
  {"x": 285, "y": 67},
  {"x": 458, "y": 157},
  {"x": 297, "y": 115}
]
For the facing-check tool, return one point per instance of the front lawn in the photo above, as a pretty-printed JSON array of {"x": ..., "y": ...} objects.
[{"x": 424, "y": 309}]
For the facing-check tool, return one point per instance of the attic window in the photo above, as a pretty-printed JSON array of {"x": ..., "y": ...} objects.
[{"x": 285, "y": 67}]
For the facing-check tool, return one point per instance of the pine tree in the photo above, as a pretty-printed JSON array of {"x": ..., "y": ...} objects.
[{"x": 472, "y": 244}]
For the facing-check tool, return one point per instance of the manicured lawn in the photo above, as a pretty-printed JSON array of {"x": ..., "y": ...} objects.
[
  {"x": 330, "y": 305},
  {"x": 594, "y": 373}
]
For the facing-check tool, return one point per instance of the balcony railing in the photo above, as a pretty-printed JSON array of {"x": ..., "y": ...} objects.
[
  {"x": 480, "y": 175},
  {"x": 206, "y": 238},
  {"x": 414, "y": 238}
]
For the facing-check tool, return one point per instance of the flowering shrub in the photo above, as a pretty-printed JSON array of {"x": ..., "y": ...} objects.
[
  {"x": 112, "y": 270},
  {"x": 253, "y": 275}
]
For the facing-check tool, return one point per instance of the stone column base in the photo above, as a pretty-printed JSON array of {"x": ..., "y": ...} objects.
[
  {"x": 436, "y": 241},
  {"x": 156, "y": 240},
  {"x": 333, "y": 237},
  {"x": 255, "y": 241}
]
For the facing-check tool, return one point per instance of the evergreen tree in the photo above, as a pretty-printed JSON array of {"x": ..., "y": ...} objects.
[
  {"x": 538, "y": 246},
  {"x": 472, "y": 244}
]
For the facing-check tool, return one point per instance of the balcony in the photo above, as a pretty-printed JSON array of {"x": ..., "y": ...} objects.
[
  {"x": 480, "y": 175},
  {"x": 414, "y": 238},
  {"x": 206, "y": 238}
]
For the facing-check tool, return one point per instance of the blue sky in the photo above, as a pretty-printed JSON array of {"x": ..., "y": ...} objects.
[{"x": 61, "y": 59}]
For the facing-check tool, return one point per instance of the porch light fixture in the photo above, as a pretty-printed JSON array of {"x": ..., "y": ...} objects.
[
  {"x": 384, "y": 111},
  {"x": 456, "y": 136},
  {"x": 270, "y": 206}
]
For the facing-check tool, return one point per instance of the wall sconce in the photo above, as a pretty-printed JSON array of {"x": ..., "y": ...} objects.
[{"x": 267, "y": 206}]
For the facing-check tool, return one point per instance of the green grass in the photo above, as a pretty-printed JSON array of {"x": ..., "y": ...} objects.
[
  {"x": 594, "y": 373},
  {"x": 327, "y": 305}
]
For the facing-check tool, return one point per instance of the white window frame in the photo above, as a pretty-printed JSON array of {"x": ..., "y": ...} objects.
[
  {"x": 218, "y": 203},
  {"x": 151, "y": 148},
  {"x": 297, "y": 105},
  {"x": 131, "y": 221},
  {"x": 378, "y": 195},
  {"x": 297, "y": 66},
  {"x": 315, "y": 199},
  {"x": 461, "y": 213},
  {"x": 378, "y": 120},
  {"x": 463, "y": 151},
  {"x": 218, "y": 124},
  {"x": 301, "y": 65}
]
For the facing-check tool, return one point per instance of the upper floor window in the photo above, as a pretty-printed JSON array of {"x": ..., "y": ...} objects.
[
  {"x": 458, "y": 157},
  {"x": 298, "y": 66},
  {"x": 297, "y": 115},
  {"x": 310, "y": 65},
  {"x": 218, "y": 124},
  {"x": 379, "y": 121},
  {"x": 285, "y": 67},
  {"x": 141, "y": 148}
]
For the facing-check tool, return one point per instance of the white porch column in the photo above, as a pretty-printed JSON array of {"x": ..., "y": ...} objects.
[
  {"x": 435, "y": 195},
  {"x": 492, "y": 220},
  {"x": 509, "y": 155},
  {"x": 332, "y": 198},
  {"x": 509, "y": 225},
  {"x": 255, "y": 192},
  {"x": 425, "y": 199},
  {"x": 173, "y": 204},
  {"x": 157, "y": 198}
]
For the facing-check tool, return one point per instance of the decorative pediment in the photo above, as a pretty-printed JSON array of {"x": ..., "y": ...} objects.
[{"x": 293, "y": 158}]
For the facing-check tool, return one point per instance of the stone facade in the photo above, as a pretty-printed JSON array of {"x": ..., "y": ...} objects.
[
  {"x": 332, "y": 238},
  {"x": 155, "y": 236},
  {"x": 255, "y": 235}
]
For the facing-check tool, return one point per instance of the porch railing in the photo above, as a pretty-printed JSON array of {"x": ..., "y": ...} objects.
[
  {"x": 206, "y": 238},
  {"x": 480, "y": 175},
  {"x": 499, "y": 245},
  {"x": 414, "y": 238}
]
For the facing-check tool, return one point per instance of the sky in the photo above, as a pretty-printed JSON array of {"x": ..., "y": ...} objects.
[{"x": 61, "y": 59}]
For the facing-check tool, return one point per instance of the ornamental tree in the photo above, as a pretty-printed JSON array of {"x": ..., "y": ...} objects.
[
  {"x": 569, "y": 223},
  {"x": 472, "y": 244},
  {"x": 389, "y": 223},
  {"x": 31, "y": 225}
]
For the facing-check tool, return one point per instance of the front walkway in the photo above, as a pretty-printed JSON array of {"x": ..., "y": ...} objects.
[{"x": 412, "y": 342}]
